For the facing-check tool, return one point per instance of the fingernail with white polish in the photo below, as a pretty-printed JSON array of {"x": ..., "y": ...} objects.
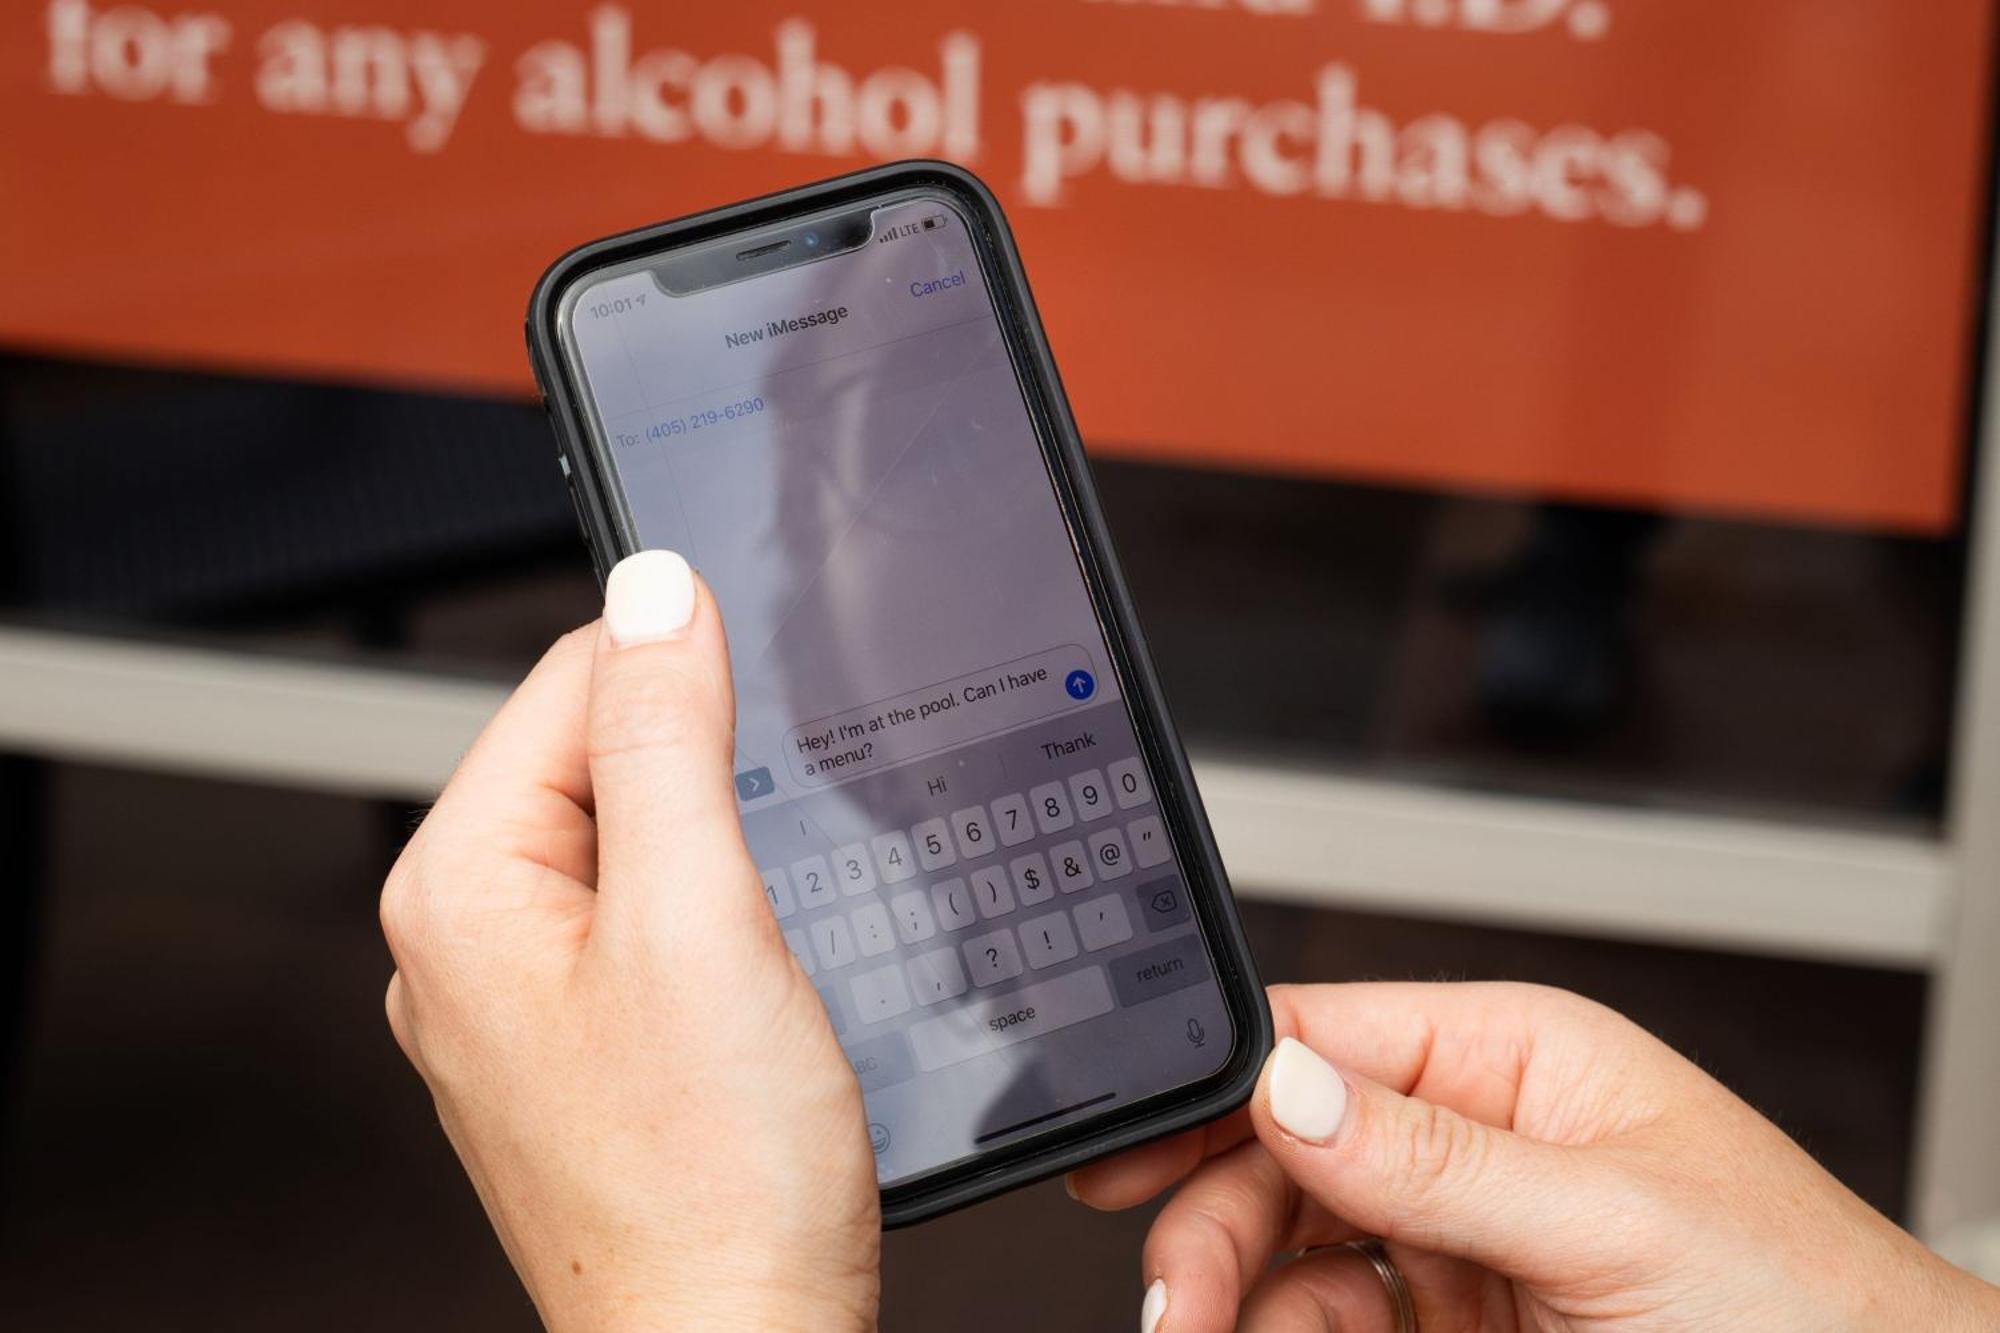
[
  {"x": 1155, "y": 1306},
  {"x": 649, "y": 597},
  {"x": 1308, "y": 1098}
]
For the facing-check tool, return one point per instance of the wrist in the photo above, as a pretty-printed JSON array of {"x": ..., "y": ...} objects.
[
  {"x": 725, "y": 1289},
  {"x": 706, "y": 1304},
  {"x": 752, "y": 1312},
  {"x": 1965, "y": 1304},
  {"x": 1940, "y": 1296}
]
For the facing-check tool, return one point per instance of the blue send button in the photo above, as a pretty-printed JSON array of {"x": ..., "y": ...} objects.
[
  {"x": 1080, "y": 685},
  {"x": 932, "y": 286}
]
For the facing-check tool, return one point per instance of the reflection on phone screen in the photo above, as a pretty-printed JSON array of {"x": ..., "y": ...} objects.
[{"x": 936, "y": 768}]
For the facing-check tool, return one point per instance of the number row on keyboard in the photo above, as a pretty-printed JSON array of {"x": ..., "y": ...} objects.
[
  {"x": 833, "y": 941},
  {"x": 971, "y": 833},
  {"x": 992, "y": 890},
  {"x": 987, "y": 959}
]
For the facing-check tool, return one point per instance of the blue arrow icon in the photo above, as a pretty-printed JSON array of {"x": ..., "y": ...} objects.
[{"x": 1080, "y": 684}]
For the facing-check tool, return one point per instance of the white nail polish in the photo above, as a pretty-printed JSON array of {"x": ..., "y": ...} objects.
[
  {"x": 1154, "y": 1307},
  {"x": 649, "y": 597},
  {"x": 1308, "y": 1098}
]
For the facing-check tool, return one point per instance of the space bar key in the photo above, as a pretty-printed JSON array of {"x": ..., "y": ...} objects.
[{"x": 1032, "y": 1011}]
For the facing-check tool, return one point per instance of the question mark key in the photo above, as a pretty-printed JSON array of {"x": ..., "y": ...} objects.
[{"x": 991, "y": 959}]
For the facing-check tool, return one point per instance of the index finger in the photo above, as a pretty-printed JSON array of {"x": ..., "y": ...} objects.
[
  {"x": 536, "y": 738},
  {"x": 523, "y": 788},
  {"x": 1135, "y": 1177},
  {"x": 510, "y": 838}
]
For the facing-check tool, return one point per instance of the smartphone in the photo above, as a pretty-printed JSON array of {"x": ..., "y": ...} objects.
[{"x": 975, "y": 823}]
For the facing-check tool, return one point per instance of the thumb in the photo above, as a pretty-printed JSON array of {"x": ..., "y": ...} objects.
[
  {"x": 661, "y": 737},
  {"x": 1421, "y": 1174}
]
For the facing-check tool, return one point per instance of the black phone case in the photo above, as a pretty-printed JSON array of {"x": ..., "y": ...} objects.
[{"x": 1180, "y": 805}]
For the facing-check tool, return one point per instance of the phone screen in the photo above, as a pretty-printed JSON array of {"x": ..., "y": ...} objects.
[{"x": 937, "y": 772}]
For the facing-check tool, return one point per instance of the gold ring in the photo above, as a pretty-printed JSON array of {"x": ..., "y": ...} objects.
[{"x": 1377, "y": 1255}]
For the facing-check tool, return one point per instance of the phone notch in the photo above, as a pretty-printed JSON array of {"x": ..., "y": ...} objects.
[{"x": 698, "y": 268}]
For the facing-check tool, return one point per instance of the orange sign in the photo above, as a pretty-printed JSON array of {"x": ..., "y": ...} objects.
[{"x": 1697, "y": 253}]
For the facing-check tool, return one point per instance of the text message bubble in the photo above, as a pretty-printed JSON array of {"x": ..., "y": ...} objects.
[{"x": 941, "y": 716}]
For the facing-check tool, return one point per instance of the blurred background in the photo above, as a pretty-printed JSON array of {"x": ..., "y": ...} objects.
[{"x": 1544, "y": 437}]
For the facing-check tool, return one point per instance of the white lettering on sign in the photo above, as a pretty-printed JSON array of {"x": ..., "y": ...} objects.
[
  {"x": 1323, "y": 142},
  {"x": 795, "y": 101},
  {"x": 1587, "y": 20},
  {"x": 1336, "y": 147},
  {"x": 420, "y": 79},
  {"x": 133, "y": 54}
]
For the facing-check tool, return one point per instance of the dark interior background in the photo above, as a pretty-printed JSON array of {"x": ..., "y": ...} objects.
[
  {"x": 207, "y": 1124},
  {"x": 213, "y": 1129},
  {"x": 1487, "y": 641}
]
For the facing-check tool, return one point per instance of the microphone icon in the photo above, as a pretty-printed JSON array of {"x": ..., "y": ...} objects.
[{"x": 1197, "y": 1035}]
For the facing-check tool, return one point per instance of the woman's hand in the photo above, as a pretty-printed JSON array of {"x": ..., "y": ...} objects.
[
  {"x": 1534, "y": 1161},
  {"x": 639, "y": 1079}
]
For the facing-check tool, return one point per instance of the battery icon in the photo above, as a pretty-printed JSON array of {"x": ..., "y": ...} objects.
[{"x": 933, "y": 222}]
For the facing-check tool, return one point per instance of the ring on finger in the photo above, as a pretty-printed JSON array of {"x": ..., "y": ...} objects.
[{"x": 1394, "y": 1285}]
